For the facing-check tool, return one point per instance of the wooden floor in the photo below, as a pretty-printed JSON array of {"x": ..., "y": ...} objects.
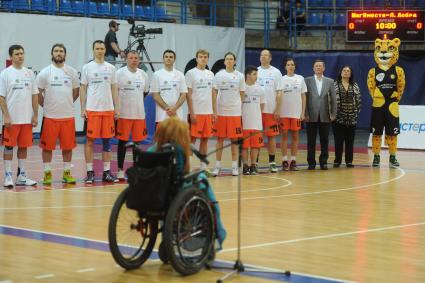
[{"x": 362, "y": 224}]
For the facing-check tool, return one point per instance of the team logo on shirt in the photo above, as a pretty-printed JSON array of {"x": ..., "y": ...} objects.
[
  {"x": 96, "y": 75},
  {"x": 174, "y": 85},
  {"x": 165, "y": 82},
  {"x": 392, "y": 76},
  {"x": 105, "y": 78},
  {"x": 17, "y": 81},
  {"x": 55, "y": 78},
  {"x": 65, "y": 81},
  {"x": 380, "y": 77},
  {"x": 129, "y": 82}
]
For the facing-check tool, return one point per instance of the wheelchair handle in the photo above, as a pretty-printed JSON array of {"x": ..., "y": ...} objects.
[{"x": 202, "y": 157}]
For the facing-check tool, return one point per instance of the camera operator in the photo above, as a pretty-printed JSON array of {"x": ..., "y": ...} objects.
[{"x": 111, "y": 42}]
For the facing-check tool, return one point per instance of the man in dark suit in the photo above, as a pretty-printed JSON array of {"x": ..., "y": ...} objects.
[{"x": 319, "y": 113}]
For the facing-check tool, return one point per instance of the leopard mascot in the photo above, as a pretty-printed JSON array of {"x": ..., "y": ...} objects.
[{"x": 386, "y": 84}]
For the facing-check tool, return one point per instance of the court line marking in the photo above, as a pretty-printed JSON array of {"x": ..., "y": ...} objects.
[
  {"x": 91, "y": 269},
  {"x": 336, "y": 235},
  {"x": 403, "y": 173},
  {"x": 44, "y": 276},
  {"x": 70, "y": 189},
  {"x": 234, "y": 199},
  {"x": 261, "y": 269}
]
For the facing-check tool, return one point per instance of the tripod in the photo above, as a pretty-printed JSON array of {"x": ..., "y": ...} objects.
[
  {"x": 238, "y": 266},
  {"x": 141, "y": 49}
]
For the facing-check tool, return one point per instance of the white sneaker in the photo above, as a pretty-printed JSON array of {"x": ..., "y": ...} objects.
[
  {"x": 215, "y": 171},
  {"x": 120, "y": 174},
  {"x": 235, "y": 171},
  {"x": 8, "y": 181},
  {"x": 22, "y": 180}
]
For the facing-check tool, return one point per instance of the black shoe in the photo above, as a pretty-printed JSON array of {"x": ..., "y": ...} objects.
[
  {"x": 245, "y": 169},
  {"x": 337, "y": 164},
  {"x": 350, "y": 165},
  {"x": 393, "y": 162},
  {"x": 311, "y": 167},
  {"x": 376, "y": 160},
  {"x": 90, "y": 177},
  {"x": 109, "y": 178},
  {"x": 253, "y": 169},
  {"x": 323, "y": 167},
  {"x": 285, "y": 165},
  {"x": 293, "y": 166}
]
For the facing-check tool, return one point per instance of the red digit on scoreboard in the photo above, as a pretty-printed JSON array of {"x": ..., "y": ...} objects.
[
  {"x": 419, "y": 25},
  {"x": 351, "y": 26}
]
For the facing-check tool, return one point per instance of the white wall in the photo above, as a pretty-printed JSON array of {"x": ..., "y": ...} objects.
[{"x": 37, "y": 34}]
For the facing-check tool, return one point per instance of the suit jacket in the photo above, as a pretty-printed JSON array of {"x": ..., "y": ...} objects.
[{"x": 323, "y": 104}]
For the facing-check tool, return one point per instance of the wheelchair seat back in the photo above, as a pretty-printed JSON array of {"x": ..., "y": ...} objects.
[{"x": 152, "y": 180}]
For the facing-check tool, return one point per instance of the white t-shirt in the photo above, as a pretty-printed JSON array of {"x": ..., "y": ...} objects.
[
  {"x": 18, "y": 86},
  {"x": 58, "y": 85},
  {"x": 99, "y": 79},
  {"x": 251, "y": 109},
  {"x": 293, "y": 87},
  {"x": 169, "y": 84},
  {"x": 229, "y": 86},
  {"x": 200, "y": 81},
  {"x": 271, "y": 81},
  {"x": 131, "y": 87}
]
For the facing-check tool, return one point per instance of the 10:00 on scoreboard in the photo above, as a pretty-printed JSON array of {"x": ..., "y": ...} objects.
[{"x": 366, "y": 26}]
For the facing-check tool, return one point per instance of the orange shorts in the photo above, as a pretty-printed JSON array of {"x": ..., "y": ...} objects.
[
  {"x": 18, "y": 135},
  {"x": 292, "y": 124},
  {"x": 136, "y": 127},
  {"x": 203, "y": 128},
  {"x": 228, "y": 127},
  {"x": 52, "y": 129},
  {"x": 270, "y": 125},
  {"x": 254, "y": 140},
  {"x": 100, "y": 124}
]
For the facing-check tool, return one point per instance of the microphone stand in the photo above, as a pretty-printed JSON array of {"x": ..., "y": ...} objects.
[{"x": 238, "y": 266}]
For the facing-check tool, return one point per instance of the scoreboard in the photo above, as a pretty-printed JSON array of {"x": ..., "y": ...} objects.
[{"x": 366, "y": 26}]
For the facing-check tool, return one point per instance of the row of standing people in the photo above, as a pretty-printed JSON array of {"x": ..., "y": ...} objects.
[{"x": 218, "y": 105}]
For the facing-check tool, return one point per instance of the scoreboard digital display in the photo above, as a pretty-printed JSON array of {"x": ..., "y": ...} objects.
[{"x": 366, "y": 26}]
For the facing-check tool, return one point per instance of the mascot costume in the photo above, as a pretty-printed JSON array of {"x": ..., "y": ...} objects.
[{"x": 386, "y": 84}]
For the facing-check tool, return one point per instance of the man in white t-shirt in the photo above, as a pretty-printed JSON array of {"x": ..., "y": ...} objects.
[
  {"x": 132, "y": 83},
  {"x": 169, "y": 89},
  {"x": 199, "y": 82},
  {"x": 19, "y": 104},
  {"x": 252, "y": 105},
  {"x": 292, "y": 109},
  {"x": 270, "y": 79},
  {"x": 99, "y": 105},
  {"x": 59, "y": 88}
]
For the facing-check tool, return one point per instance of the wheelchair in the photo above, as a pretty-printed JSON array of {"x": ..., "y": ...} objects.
[{"x": 159, "y": 199}]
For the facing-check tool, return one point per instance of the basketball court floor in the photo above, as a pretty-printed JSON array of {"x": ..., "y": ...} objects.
[{"x": 357, "y": 224}]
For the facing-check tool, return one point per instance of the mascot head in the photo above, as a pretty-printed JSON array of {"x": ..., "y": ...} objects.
[{"x": 386, "y": 52}]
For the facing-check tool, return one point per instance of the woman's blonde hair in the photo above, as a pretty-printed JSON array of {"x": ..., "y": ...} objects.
[{"x": 174, "y": 130}]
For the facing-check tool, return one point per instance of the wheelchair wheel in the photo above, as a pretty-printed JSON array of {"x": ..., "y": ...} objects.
[
  {"x": 131, "y": 238},
  {"x": 189, "y": 231}
]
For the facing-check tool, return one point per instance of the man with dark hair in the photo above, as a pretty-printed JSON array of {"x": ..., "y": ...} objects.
[
  {"x": 111, "y": 43},
  {"x": 99, "y": 104},
  {"x": 19, "y": 104},
  {"x": 59, "y": 88},
  {"x": 320, "y": 111},
  {"x": 169, "y": 89}
]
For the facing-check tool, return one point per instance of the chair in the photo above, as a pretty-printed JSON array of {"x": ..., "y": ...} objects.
[
  {"x": 77, "y": 7},
  {"x": 38, "y": 5},
  {"x": 314, "y": 18},
  {"x": 147, "y": 11},
  {"x": 139, "y": 12},
  {"x": 186, "y": 209},
  {"x": 65, "y": 7},
  {"x": 341, "y": 19},
  {"x": 315, "y": 3},
  {"x": 22, "y": 5},
  {"x": 127, "y": 11},
  {"x": 115, "y": 10},
  {"x": 328, "y": 19},
  {"x": 103, "y": 9},
  {"x": 327, "y": 3},
  {"x": 92, "y": 8},
  {"x": 342, "y": 3}
]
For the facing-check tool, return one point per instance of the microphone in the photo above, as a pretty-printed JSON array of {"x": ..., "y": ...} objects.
[{"x": 202, "y": 157}]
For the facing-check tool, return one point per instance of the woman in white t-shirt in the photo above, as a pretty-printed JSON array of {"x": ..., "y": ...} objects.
[
  {"x": 292, "y": 109},
  {"x": 228, "y": 92}
]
